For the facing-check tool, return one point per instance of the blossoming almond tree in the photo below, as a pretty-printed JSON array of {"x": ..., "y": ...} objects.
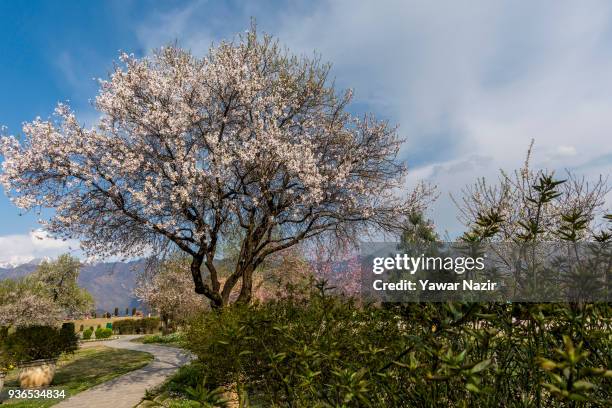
[
  {"x": 25, "y": 302},
  {"x": 167, "y": 290},
  {"x": 247, "y": 138}
]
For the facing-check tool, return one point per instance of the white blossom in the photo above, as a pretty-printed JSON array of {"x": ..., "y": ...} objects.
[{"x": 248, "y": 138}]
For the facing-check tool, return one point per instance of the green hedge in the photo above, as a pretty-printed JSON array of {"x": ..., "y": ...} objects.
[
  {"x": 69, "y": 338},
  {"x": 103, "y": 333},
  {"x": 87, "y": 334},
  {"x": 41, "y": 342},
  {"x": 146, "y": 325}
]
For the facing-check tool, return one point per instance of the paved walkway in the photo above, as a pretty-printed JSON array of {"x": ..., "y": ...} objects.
[{"x": 127, "y": 391}]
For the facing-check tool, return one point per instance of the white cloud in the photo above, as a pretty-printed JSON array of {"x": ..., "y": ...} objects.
[
  {"x": 469, "y": 83},
  {"x": 164, "y": 27},
  {"x": 66, "y": 65},
  {"x": 566, "y": 151},
  {"x": 18, "y": 249}
]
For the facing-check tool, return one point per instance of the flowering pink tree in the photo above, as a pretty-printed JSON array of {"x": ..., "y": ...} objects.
[
  {"x": 167, "y": 289},
  {"x": 285, "y": 273},
  {"x": 339, "y": 266},
  {"x": 246, "y": 139}
]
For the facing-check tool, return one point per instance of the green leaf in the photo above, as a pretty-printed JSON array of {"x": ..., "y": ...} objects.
[
  {"x": 481, "y": 366},
  {"x": 578, "y": 397},
  {"x": 547, "y": 364},
  {"x": 472, "y": 387},
  {"x": 583, "y": 385}
]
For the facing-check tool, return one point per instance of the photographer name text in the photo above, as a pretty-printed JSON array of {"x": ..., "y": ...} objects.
[{"x": 426, "y": 285}]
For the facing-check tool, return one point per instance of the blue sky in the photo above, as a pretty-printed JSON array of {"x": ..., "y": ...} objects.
[{"x": 469, "y": 84}]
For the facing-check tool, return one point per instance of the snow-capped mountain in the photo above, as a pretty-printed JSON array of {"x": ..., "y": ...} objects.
[{"x": 16, "y": 263}]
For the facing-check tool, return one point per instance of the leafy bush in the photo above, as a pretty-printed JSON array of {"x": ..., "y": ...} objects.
[
  {"x": 125, "y": 326},
  {"x": 174, "y": 338},
  {"x": 103, "y": 333},
  {"x": 6, "y": 362},
  {"x": 40, "y": 342},
  {"x": 187, "y": 376},
  {"x": 328, "y": 351},
  {"x": 6, "y": 358},
  {"x": 150, "y": 324},
  {"x": 68, "y": 327},
  {"x": 69, "y": 338},
  {"x": 87, "y": 334},
  {"x": 137, "y": 326}
]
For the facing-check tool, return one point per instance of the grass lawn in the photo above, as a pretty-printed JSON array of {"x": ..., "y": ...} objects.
[{"x": 86, "y": 368}]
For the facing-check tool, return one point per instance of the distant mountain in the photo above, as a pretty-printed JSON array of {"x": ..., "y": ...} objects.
[
  {"x": 110, "y": 283},
  {"x": 13, "y": 271}
]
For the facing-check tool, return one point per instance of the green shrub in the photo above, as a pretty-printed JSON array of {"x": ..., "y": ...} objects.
[
  {"x": 87, "y": 334},
  {"x": 190, "y": 375},
  {"x": 69, "y": 338},
  {"x": 150, "y": 324},
  {"x": 173, "y": 338},
  {"x": 6, "y": 357},
  {"x": 137, "y": 326},
  {"x": 328, "y": 351},
  {"x": 103, "y": 333},
  {"x": 81, "y": 328},
  {"x": 68, "y": 327},
  {"x": 125, "y": 326},
  {"x": 39, "y": 342}
]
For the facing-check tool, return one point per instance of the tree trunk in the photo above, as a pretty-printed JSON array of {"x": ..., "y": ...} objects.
[
  {"x": 165, "y": 324},
  {"x": 246, "y": 291},
  {"x": 229, "y": 284},
  {"x": 220, "y": 298},
  {"x": 200, "y": 288}
]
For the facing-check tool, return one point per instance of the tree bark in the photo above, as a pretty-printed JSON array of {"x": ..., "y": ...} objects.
[
  {"x": 246, "y": 291},
  {"x": 229, "y": 285},
  {"x": 200, "y": 287}
]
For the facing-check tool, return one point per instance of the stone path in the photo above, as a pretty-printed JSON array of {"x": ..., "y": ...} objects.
[{"x": 127, "y": 391}]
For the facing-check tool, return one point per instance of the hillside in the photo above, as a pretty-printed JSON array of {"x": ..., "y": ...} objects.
[{"x": 110, "y": 283}]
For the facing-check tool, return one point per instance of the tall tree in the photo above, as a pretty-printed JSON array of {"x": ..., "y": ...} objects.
[
  {"x": 59, "y": 278},
  {"x": 45, "y": 297},
  {"x": 247, "y": 138}
]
